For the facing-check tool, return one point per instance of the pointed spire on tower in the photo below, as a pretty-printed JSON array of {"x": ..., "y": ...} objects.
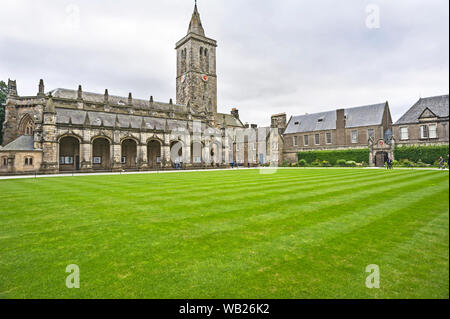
[{"x": 195, "y": 26}]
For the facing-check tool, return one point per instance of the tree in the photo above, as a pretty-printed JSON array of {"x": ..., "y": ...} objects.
[{"x": 3, "y": 94}]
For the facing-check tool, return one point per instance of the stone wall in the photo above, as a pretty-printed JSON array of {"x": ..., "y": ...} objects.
[{"x": 414, "y": 137}]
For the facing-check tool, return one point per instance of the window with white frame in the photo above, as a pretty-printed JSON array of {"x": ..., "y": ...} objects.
[
  {"x": 306, "y": 140},
  {"x": 355, "y": 136},
  {"x": 295, "y": 140},
  {"x": 371, "y": 133},
  {"x": 424, "y": 131},
  {"x": 432, "y": 131},
  {"x": 404, "y": 133},
  {"x": 317, "y": 139},
  {"x": 328, "y": 135}
]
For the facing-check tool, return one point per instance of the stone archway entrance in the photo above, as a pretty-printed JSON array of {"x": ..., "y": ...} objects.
[
  {"x": 381, "y": 151},
  {"x": 154, "y": 154},
  {"x": 176, "y": 153},
  {"x": 196, "y": 154},
  {"x": 129, "y": 154},
  {"x": 69, "y": 153},
  {"x": 101, "y": 158}
]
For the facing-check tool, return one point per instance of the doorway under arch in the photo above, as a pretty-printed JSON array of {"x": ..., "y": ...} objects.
[
  {"x": 69, "y": 153},
  {"x": 101, "y": 150},
  {"x": 129, "y": 154},
  {"x": 154, "y": 154}
]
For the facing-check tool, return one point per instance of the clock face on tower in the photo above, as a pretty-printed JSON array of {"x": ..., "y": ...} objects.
[{"x": 205, "y": 78}]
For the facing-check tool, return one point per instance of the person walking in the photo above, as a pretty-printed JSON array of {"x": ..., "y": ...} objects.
[
  {"x": 390, "y": 163},
  {"x": 441, "y": 162}
]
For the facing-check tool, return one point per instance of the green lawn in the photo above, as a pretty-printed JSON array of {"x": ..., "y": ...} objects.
[{"x": 299, "y": 233}]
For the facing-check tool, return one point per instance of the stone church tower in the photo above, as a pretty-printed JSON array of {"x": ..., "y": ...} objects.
[{"x": 196, "y": 70}]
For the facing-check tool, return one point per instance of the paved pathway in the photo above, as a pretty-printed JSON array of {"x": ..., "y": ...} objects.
[{"x": 264, "y": 170}]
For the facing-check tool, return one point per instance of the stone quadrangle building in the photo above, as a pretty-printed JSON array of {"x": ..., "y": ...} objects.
[{"x": 74, "y": 130}]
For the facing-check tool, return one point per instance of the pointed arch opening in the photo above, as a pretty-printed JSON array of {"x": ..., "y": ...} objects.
[
  {"x": 26, "y": 126},
  {"x": 69, "y": 153},
  {"x": 101, "y": 154},
  {"x": 154, "y": 154},
  {"x": 129, "y": 153},
  {"x": 196, "y": 154}
]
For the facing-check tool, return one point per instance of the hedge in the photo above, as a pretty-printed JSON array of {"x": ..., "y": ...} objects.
[
  {"x": 357, "y": 155},
  {"x": 428, "y": 154}
]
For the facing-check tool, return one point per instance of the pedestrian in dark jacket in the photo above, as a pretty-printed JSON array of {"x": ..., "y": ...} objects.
[{"x": 441, "y": 162}]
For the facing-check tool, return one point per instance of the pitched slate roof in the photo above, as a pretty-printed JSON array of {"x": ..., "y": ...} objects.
[
  {"x": 436, "y": 104},
  {"x": 22, "y": 143},
  {"x": 114, "y": 100},
  {"x": 98, "y": 119},
  {"x": 355, "y": 117}
]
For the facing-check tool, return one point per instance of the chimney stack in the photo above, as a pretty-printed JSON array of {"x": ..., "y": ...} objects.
[
  {"x": 340, "y": 127},
  {"x": 235, "y": 112}
]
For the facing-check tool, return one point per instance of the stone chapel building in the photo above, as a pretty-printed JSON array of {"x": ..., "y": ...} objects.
[{"x": 74, "y": 130}]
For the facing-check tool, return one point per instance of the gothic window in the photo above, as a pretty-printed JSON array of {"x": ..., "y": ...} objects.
[
  {"x": 26, "y": 126},
  {"x": 183, "y": 60},
  {"x": 202, "y": 59},
  {"x": 207, "y": 60}
]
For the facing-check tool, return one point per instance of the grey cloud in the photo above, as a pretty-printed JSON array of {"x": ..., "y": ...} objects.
[{"x": 273, "y": 56}]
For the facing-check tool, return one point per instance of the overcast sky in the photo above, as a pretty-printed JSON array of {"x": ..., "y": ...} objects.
[{"x": 273, "y": 56}]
